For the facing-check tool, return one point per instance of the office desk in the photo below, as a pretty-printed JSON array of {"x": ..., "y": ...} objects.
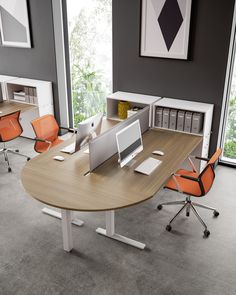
[
  {"x": 69, "y": 186},
  {"x": 8, "y": 107}
]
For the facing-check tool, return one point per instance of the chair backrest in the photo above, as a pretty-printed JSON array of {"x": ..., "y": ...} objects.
[
  {"x": 207, "y": 176},
  {"x": 10, "y": 127},
  {"x": 46, "y": 128},
  {"x": 206, "y": 179}
]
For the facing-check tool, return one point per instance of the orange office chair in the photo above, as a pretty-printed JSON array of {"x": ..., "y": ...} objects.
[
  {"x": 193, "y": 184},
  {"x": 10, "y": 128},
  {"x": 46, "y": 130}
]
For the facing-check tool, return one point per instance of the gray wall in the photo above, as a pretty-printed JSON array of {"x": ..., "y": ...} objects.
[
  {"x": 38, "y": 62},
  {"x": 200, "y": 78}
]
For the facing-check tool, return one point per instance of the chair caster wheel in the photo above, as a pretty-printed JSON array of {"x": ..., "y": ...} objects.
[
  {"x": 216, "y": 213},
  {"x": 17, "y": 151},
  {"x": 159, "y": 207},
  {"x": 28, "y": 159},
  {"x": 9, "y": 169},
  {"x": 187, "y": 214},
  {"x": 206, "y": 233},
  {"x": 168, "y": 227}
]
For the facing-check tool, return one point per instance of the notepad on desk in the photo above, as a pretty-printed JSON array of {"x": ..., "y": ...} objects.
[{"x": 148, "y": 166}]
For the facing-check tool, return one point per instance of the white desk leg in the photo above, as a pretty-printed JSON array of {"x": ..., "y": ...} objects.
[
  {"x": 110, "y": 232},
  {"x": 66, "y": 230},
  {"x": 56, "y": 214}
]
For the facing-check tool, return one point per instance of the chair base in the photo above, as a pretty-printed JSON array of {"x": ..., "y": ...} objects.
[
  {"x": 188, "y": 205},
  {"x": 5, "y": 151}
]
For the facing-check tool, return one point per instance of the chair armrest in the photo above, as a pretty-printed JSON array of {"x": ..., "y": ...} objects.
[
  {"x": 42, "y": 140},
  {"x": 198, "y": 180},
  {"x": 176, "y": 182},
  {"x": 191, "y": 163},
  {"x": 202, "y": 159},
  {"x": 189, "y": 177},
  {"x": 72, "y": 130}
]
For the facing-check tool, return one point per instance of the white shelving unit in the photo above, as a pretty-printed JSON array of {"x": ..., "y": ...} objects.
[
  {"x": 204, "y": 108},
  {"x": 3, "y": 80},
  {"x": 42, "y": 106},
  {"x": 141, "y": 100},
  {"x": 135, "y": 99}
]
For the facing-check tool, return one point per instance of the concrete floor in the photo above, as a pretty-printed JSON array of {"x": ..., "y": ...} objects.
[{"x": 179, "y": 262}]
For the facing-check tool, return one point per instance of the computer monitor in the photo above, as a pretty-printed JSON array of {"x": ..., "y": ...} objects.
[
  {"x": 129, "y": 142},
  {"x": 87, "y": 130},
  {"x": 99, "y": 149}
]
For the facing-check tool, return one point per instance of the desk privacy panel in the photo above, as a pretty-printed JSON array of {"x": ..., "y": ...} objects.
[{"x": 104, "y": 146}]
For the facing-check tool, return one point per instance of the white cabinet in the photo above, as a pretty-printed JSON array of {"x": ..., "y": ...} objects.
[
  {"x": 41, "y": 98},
  {"x": 195, "y": 107},
  {"x": 4, "y": 79},
  {"x": 141, "y": 100},
  {"x": 43, "y": 90},
  {"x": 135, "y": 99}
]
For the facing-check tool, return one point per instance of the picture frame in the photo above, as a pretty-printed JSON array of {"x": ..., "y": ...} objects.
[
  {"x": 14, "y": 23},
  {"x": 165, "y": 26}
]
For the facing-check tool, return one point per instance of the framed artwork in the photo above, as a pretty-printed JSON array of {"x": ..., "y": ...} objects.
[
  {"x": 14, "y": 23},
  {"x": 165, "y": 28}
]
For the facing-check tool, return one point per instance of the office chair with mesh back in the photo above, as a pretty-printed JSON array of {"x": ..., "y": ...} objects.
[
  {"x": 10, "y": 128},
  {"x": 193, "y": 184},
  {"x": 46, "y": 130}
]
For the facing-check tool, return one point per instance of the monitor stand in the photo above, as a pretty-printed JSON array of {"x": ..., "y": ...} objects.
[
  {"x": 130, "y": 163},
  {"x": 94, "y": 135},
  {"x": 86, "y": 151}
]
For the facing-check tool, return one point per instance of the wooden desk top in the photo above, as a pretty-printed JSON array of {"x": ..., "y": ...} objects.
[
  {"x": 9, "y": 106},
  {"x": 64, "y": 184}
]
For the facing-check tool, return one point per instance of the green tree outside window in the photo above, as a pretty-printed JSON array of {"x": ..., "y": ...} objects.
[
  {"x": 90, "y": 59},
  {"x": 230, "y": 139}
]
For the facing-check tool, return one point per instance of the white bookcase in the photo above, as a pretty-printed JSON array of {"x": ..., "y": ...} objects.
[
  {"x": 204, "y": 108},
  {"x": 135, "y": 99},
  {"x": 43, "y": 104}
]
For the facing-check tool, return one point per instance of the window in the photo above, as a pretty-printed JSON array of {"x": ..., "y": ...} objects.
[
  {"x": 227, "y": 136},
  {"x": 90, "y": 51},
  {"x": 229, "y": 145}
]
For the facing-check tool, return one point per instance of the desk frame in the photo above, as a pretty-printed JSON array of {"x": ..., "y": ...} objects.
[
  {"x": 67, "y": 221},
  {"x": 58, "y": 215},
  {"x": 110, "y": 232}
]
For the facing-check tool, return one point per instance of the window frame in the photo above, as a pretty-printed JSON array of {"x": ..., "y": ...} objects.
[
  {"x": 227, "y": 88},
  {"x": 62, "y": 62}
]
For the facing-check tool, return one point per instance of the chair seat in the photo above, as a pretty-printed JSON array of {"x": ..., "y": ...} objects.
[
  {"x": 43, "y": 146},
  {"x": 187, "y": 186}
]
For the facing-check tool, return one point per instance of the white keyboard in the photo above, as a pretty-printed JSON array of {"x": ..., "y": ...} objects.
[
  {"x": 148, "y": 166},
  {"x": 70, "y": 149}
]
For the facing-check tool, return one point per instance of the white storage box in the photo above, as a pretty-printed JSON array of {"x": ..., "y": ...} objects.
[{"x": 19, "y": 95}]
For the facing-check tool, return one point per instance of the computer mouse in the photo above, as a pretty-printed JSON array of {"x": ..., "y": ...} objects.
[
  {"x": 59, "y": 158},
  {"x": 159, "y": 153}
]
